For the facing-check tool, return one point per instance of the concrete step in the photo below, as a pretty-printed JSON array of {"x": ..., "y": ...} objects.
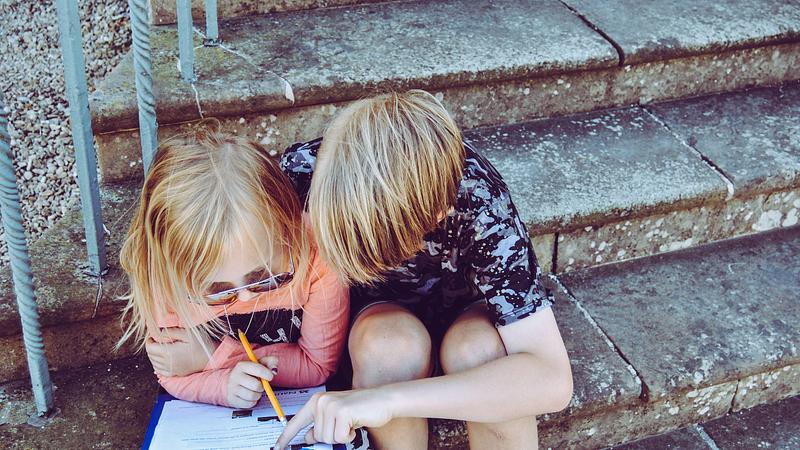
[
  {"x": 80, "y": 326},
  {"x": 672, "y": 340},
  {"x": 703, "y": 332},
  {"x": 656, "y": 345},
  {"x": 491, "y": 62},
  {"x": 618, "y": 184},
  {"x": 102, "y": 406},
  {"x": 768, "y": 426},
  {"x": 594, "y": 189},
  {"x": 163, "y": 12}
]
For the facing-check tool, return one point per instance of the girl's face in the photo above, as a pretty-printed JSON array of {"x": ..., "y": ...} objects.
[{"x": 244, "y": 263}]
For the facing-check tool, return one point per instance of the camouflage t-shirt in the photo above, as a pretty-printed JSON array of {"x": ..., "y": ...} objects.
[{"x": 480, "y": 252}]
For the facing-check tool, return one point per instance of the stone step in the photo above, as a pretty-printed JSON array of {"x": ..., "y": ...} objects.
[
  {"x": 618, "y": 184},
  {"x": 163, "y": 12},
  {"x": 768, "y": 426},
  {"x": 656, "y": 345},
  {"x": 594, "y": 188},
  {"x": 80, "y": 326},
  {"x": 492, "y": 63},
  {"x": 702, "y": 332}
]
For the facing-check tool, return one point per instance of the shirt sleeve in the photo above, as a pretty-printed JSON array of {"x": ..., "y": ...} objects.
[
  {"x": 501, "y": 257},
  {"x": 210, "y": 385},
  {"x": 323, "y": 332},
  {"x": 298, "y": 162}
]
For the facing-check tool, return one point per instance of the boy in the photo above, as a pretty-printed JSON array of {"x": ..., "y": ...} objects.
[{"x": 423, "y": 228}]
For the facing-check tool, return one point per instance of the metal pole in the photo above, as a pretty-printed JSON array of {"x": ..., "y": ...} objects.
[
  {"x": 212, "y": 27},
  {"x": 86, "y": 164},
  {"x": 21, "y": 273},
  {"x": 140, "y": 28},
  {"x": 185, "y": 46}
]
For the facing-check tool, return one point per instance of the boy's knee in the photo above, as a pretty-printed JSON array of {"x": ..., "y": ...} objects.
[
  {"x": 470, "y": 343},
  {"x": 389, "y": 347}
]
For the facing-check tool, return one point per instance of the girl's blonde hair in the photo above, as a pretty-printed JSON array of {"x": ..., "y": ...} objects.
[
  {"x": 387, "y": 171},
  {"x": 203, "y": 192}
]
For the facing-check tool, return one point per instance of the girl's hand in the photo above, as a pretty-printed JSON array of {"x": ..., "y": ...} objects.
[
  {"x": 244, "y": 384},
  {"x": 336, "y": 415},
  {"x": 182, "y": 355}
]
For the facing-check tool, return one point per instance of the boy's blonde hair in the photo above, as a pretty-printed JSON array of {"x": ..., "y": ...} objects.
[
  {"x": 388, "y": 169},
  {"x": 202, "y": 193}
]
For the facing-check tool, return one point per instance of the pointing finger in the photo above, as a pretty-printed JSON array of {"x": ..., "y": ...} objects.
[{"x": 302, "y": 419}]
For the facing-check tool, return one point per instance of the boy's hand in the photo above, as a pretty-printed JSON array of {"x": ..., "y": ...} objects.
[
  {"x": 244, "y": 384},
  {"x": 181, "y": 355},
  {"x": 336, "y": 415}
]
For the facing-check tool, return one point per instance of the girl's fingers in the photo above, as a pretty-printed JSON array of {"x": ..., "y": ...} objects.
[
  {"x": 243, "y": 402},
  {"x": 255, "y": 370},
  {"x": 248, "y": 395},
  {"x": 271, "y": 362},
  {"x": 250, "y": 383}
]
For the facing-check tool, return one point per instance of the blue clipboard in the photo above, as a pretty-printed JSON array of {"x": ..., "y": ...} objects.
[{"x": 162, "y": 399}]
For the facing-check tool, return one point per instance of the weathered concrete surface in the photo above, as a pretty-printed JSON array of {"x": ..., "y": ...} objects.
[
  {"x": 631, "y": 422},
  {"x": 567, "y": 172},
  {"x": 767, "y": 387},
  {"x": 67, "y": 345},
  {"x": 162, "y": 12},
  {"x": 602, "y": 379},
  {"x": 119, "y": 154},
  {"x": 648, "y": 31},
  {"x": 486, "y": 103},
  {"x": 339, "y": 54},
  {"x": 543, "y": 247},
  {"x": 683, "y": 439},
  {"x": 770, "y": 426},
  {"x": 712, "y": 315},
  {"x": 629, "y": 238},
  {"x": 752, "y": 136},
  {"x": 64, "y": 292},
  {"x": 106, "y": 406}
]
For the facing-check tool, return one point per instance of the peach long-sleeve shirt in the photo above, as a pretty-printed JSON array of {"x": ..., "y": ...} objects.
[{"x": 308, "y": 362}]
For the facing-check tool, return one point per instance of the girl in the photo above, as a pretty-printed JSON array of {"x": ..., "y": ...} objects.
[{"x": 218, "y": 243}]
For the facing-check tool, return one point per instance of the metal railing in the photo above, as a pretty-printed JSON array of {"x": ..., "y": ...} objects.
[{"x": 85, "y": 160}]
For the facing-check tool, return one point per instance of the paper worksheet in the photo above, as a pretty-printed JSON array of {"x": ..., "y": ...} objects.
[{"x": 198, "y": 426}]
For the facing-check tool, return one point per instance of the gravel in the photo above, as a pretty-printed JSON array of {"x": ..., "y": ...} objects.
[{"x": 32, "y": 88}]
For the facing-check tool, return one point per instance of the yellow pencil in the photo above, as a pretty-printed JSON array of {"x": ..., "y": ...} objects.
[{"x": 267, "y": 388}]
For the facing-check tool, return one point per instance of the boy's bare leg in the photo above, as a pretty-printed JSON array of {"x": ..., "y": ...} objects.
[
  {"x": 472, "y": 341},
  {"x": 387, "y": 345}
]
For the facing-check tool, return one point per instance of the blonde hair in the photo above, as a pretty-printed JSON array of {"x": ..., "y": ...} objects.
[
  {"x": 202, "y": 192},
  {"x": 388, "y": 168}
]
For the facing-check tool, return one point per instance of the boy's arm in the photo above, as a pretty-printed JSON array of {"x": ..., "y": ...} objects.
[{"x": 535, "y": 378}]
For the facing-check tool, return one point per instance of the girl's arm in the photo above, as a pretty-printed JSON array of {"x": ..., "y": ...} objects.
[
  {"x": 323, "y": 332},
  {"x": 309, "y": 362},
  {"x": 228, "y": 380},
  {"x": 535, "y": 378}
]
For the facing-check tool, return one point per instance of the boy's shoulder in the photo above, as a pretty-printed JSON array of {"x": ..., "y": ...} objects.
[
  {"x": 301, "y": 156},
  {"x": 481, "y": 183}
]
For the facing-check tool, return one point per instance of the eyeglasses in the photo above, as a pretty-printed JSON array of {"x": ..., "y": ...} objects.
[{"x": 229, "y": 296}]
